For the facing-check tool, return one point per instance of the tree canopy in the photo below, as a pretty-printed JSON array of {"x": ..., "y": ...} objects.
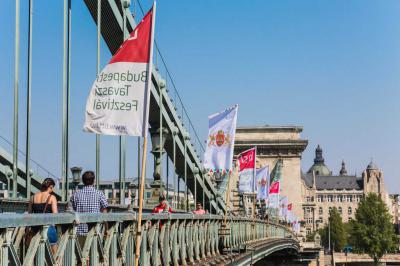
[
  {"x": 372, "y": 229},
  {"x": 337, "y": 231}
]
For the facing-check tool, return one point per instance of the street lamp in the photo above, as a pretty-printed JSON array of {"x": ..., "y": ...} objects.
[
  {"x": 157, "y": 150},
  {"x": 158, "y": 143},
  {"x": 76, "y": 176},
  {"x": 9, "y": 173}
]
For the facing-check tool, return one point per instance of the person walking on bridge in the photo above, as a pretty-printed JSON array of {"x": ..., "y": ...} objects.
[
  {"x": 88, "y": 200},
  {"x": 45, "y": 202}
]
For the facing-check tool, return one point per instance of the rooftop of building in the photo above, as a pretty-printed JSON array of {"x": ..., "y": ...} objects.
[
  {"x": 270, "y": 128},
  {"x": 326, "y": 180}
]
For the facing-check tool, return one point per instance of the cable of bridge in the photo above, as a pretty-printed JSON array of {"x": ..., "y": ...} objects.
[{"x": 199, "y": 143}]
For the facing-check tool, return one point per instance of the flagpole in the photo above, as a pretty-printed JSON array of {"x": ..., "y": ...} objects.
[{"x": 144, "y": 156}]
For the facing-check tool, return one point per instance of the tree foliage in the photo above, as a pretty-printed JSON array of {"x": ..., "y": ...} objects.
[
  {"x": 372, "y": 229},
  {"x": 337, "y": 231}
]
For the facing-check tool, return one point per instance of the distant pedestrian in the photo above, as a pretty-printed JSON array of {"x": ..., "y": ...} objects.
[
  {"x": 199, "y": 209},
  {"x": 88, "y": 200},
  {"x": 45, "y": 202},
  {"x": 162, "y": 206}
]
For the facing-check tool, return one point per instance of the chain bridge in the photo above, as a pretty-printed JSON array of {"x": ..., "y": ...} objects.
[{"x": 166, "y": 239}]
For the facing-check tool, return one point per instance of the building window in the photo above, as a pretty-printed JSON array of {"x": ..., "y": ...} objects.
[
  {"x": 339, "y": 198},
  {"x": 340, "y": 210},
  {"x": 309, "y": 220},
  {"x": 148, "y": 195},
  {"x": 320, "y": 220},
  {"x": 308, "y": 231},
  {"x": 320, "y": 198},
  {"x": 330, "y": 198},
  {"x": 308, "y": 210},
  {"x": 349, "y": 211},
  {"x": 320, "y": 211},
  {"x": 358, "y": 198},
  {"x": 349, "y": 198},
  {"x": 308, "y": 199}
]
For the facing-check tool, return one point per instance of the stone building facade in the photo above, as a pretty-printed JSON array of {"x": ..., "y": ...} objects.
[
  {"x": 322, "y": 190},
  {"x": 273, "y": 143},
  {"x": 316, "y": 191}
]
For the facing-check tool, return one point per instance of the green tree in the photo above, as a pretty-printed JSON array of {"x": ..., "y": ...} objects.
[
  {"x": 372, "y": 230},
  {"x": 337, "y": 231}
]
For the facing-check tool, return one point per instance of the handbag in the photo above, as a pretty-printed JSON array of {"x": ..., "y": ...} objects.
[{"x": 29, "y": 232}]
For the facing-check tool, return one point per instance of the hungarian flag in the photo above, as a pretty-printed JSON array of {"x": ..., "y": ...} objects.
[
  {"x": 221, "y": 138},
  {"x": 118, "y": 103},
  {"x": 247, "y": 170},
  {"x": 262, "y": 176}
]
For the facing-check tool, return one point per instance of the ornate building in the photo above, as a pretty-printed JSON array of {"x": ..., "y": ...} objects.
[
  {"x": 322, "y": 190},
  {"x": 273, "y": 143}
]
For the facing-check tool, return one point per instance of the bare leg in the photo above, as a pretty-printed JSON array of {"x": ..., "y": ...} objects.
[{"x": 54, "y": 249}]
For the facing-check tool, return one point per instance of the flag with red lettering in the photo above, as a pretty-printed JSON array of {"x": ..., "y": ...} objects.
[
  {"x": 273, "y": 195},
  {"x": 247, "y": 170},
  {"x": 118, "y": 103}
]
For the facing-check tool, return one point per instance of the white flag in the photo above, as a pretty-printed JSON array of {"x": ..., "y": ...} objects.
[
  {"x": 221, "y": 136},
  {"x": 262, "y": 177},
  {"x": 118, "y": 102},
  {"x": 283, "y": 205}
]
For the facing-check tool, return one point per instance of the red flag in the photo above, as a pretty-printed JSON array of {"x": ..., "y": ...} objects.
[
  {"x": 274, "y": 189},
  {"x": 247, "y": 159},
  {"x": 118, "y": 103},
  {"x": 247, "y": 163},
  {"x": 137, "y": 47}
]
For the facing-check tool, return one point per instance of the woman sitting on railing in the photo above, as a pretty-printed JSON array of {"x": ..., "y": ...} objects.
[{"x": 45, "y": 202}]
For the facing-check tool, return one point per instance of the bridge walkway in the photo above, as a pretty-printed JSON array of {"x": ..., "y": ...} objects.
[{"x": 166, "y": 239}]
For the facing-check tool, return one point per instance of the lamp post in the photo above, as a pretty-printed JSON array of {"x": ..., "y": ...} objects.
[
  {"x": 76, "y": 176},
  {"x": 158, "y": 143},
  {"x": 9, "y": 174}
]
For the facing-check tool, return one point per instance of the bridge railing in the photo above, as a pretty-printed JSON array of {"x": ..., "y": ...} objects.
[{"x": 167, "y": 239}]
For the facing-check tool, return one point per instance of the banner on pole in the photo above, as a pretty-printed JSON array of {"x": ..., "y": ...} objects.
[
  {"x": 221, "y": 136},
  {"x": 283, "y": 207},
  {"x": 273, "y": 195},
  {"x": 118, "y": 102},
  {"x": 247, "y": 164},
  {"x": 262, "y": 175},
  {"x": 289, "y": 213}
]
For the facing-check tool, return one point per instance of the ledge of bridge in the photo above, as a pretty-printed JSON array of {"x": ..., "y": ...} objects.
[{"x": 252, "y": 252}]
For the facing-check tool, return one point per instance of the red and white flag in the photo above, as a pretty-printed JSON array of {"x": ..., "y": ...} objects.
[
  {"x": 273, "y": 195},
  {"x": 247, "y": 170},
  {"x": 118, "y": 103}
]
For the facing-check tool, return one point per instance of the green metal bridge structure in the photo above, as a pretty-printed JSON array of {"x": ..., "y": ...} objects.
[{"x": 166, "y": 239}]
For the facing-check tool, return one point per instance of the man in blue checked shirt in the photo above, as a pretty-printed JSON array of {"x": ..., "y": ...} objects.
[{"x": 88, "y": 200}]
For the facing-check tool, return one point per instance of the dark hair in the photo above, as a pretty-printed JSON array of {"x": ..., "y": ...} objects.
[
  {"x": 161, "y": 198},
  {"x": 47, "y": 183},
  {"x": 88, "y": 178}
]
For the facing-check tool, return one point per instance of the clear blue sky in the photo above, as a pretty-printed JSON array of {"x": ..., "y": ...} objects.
[{"x": 330, "y": 66}]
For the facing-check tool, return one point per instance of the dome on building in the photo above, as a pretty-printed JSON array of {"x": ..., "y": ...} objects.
[
  {"x": 343, "y": 171},
  {"x": 319, "y": 166},
  {"x": 372, "y": 166}
]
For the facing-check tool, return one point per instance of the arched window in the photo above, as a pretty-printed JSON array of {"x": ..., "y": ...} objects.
[
  {"x": 349, "y": 211},
  {"x": 340, "y": 210},
  {"x": 320, "y": 211}
]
